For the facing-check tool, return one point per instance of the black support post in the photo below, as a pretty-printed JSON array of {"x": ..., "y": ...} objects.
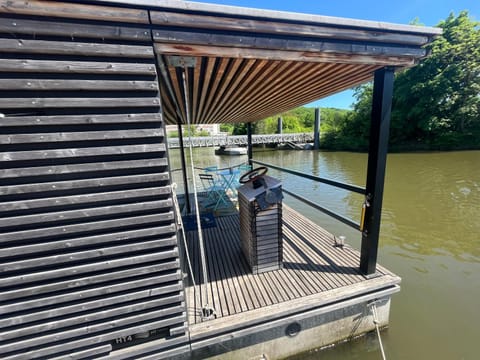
[
  {"x": 279, "y": 125},
  {"x": 249, "y": 143},
  {"x": 184, "y": 169},
  {"x": 377, "y": 159},
  {"x": 316, "y": 130}
]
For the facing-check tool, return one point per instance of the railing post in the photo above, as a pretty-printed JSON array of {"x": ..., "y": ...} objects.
[
  {"x": 377, "y": 159},
  {"x": 184, "y": 168},
  {"x": 249, "y": 143},
  {"x": 316, "y": 130}
]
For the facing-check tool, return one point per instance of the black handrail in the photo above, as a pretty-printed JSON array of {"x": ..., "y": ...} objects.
[
  {"x": 349, "y": 187},
  {"x": 331, "y": 213}
]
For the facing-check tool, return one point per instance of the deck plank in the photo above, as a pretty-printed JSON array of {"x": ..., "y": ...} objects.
[
  {"x": 247, "y": 291},
  {"x": 312, "y": 268}
]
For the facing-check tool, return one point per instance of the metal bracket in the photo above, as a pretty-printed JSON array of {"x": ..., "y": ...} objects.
[{"x": 182, "y": 61}]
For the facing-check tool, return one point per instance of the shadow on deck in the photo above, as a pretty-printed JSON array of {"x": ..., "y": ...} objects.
[{"x": 315, "y": 274}]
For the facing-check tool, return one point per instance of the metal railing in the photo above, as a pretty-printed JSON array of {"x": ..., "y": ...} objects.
[
  {"x": 333, "y": 214},
  {"x": 229, "y": 140}
]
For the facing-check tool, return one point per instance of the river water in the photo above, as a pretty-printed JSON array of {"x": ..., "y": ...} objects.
[{"x": 430, "y": 237}]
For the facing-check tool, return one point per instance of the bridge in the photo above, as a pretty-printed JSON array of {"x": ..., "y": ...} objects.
[{"x": 229, "y": 140}]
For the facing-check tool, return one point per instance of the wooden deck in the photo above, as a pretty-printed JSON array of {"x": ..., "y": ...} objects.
[{"x": 314, "y": 273}]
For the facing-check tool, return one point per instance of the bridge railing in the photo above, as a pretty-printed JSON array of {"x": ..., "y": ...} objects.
[{"x": 229, "y": 140}]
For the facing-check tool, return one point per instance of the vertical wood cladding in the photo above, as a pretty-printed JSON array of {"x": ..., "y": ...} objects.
[{"x": 89, "y": 261}]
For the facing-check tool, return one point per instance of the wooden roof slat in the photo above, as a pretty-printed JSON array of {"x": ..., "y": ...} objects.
[
  {"x": 277, "y": 90},
  {"x": 207, "y": 71},
  {"x": 250, "y": 76},
  {"x": 289, "y": 103},
  {"x": 303, "y": 92},
  {"x": 268, "y": 70},
  {"x": 304, "y": 82},
  {"x": 197, "y": 79},
  {"x": 218, "y": 79},
  {"x": 281, "y": 77},
  {"x": 177, "y": 85},
  {"x": 230, "y": 75},
  {"x": 228, "y": 97}
]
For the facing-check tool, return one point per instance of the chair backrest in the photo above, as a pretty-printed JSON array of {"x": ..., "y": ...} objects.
[{"x": 207, "y": 180}]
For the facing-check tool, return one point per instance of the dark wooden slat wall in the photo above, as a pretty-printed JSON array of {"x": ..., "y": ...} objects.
[{"x": 88, "y": 247}]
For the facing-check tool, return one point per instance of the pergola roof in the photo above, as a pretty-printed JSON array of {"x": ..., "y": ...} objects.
[{"x": 243, "y": 65}]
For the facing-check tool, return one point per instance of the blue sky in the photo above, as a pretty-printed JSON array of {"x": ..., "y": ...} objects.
[{"x": 429, "y": 13}]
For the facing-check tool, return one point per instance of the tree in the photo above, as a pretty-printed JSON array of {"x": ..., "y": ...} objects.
[
  {"x": 436, "y": 103},
  {"x": 440, "y": 96}
]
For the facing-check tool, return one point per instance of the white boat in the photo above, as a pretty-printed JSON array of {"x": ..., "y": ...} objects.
[{"x": 224, "y": 150}]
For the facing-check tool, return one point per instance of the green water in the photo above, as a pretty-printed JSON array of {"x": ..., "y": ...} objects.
[{"x": 430, "y": 236}]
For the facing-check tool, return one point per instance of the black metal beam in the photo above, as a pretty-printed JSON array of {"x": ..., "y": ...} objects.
[
  {"x": 279, "y": 125},
  {"x": 329, "y": 212},
  {"x": 340, "y": 185},
  {"x": 316, "y": 130},
  {"x": 377, "y": 159},
  {"x": 184, "y": 169},
  {"x": 249, "y": 143}
]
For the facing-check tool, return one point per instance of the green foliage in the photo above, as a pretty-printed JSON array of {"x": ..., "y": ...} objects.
[
  {"x": 441, "y": 95},
  {"x": 239, "y": 129},
  {"x": 436, "y": 104},
  {"x": 227, "y": 128},
  {"x": 202, "y": 133}
]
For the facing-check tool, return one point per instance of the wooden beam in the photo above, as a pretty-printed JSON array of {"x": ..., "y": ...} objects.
[
  {"x": 43, "y": 292},
  {"x": 75, "y": 255},
  {"x": 76, "y": 85},
  {"x": 71, "y": 230},
  {"x": 303, "y": 56},
  {"x": 80, "y": 136},
  {"x": 272, "y": 27},
  {"x": 80, "y": 152},
  {"x": 75, "y": 67},
  {"x": 328, "y": 46},
  {"x": 87, "y": 102},
  {"x": 54, "y": 203},
  {"x": 79, "y": 119},
  {"x": 108, "y": 329},
  {"x": 73, "y": 30},
  {"x": 27, "y": 46},
  {"x": 89, "y": 212},
  {"x": 74, "y": 11}
]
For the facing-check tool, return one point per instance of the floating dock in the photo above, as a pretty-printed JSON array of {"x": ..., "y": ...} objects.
[{"x": 318, "y": 298}]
